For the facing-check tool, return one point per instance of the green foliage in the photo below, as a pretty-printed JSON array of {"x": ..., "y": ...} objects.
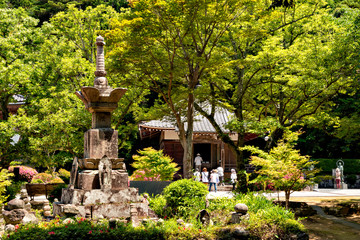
[
  {"x": 56, "y": 180},
  {"x": 64, "y": 175},
  {"x": 13, "y": 189},
  {"x": 38, "y": 180},
  {"x": 158, "y": 205},
  {"x": 185, "y": 197},
  {"x": 154, "y": 166},
  {"x": 56, "y": 193},
  {"x": 4, "y": 183},
  {"x": 283, "y": 166},
  {"x": 267, "y": 220},
  {"x": 45, "y": 177}
]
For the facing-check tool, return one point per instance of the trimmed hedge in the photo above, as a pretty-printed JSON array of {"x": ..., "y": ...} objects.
[{"x": 351, "y": 166}]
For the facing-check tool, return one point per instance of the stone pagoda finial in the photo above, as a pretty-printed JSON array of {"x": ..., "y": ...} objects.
[{"x": 100, "y": 73}]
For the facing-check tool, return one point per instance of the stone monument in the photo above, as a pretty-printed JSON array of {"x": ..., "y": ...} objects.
[
  {"x": 99, "y": 182},
  {"x": 340, "y": 166}
]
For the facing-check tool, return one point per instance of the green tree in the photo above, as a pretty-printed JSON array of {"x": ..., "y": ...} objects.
[
  {"x": 283, "y": 166},
  {"x": 169, "y": 46},
  {"x": 153, "y": 164}
]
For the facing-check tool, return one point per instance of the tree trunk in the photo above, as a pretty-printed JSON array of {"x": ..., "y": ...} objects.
[
  {"x": 3, "y": 107},
  {"x": 287, "y": 199}
]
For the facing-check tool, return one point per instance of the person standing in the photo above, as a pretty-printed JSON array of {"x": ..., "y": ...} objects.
[
  {"x": 197, "y": 175},
  {"x": 338, "y": 178},
  {"x": 233, "y": 178},
  {"x": 214, "y": 179},
  {"x": 221, "y": 175},
  {"x": 198, "y": 161},
  {"x": 205, "y": 176}
]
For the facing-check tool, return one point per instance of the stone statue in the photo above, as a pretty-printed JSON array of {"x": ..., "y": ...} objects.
[
  {"x": 73, "y": 173},
  {"x": 340, "y": 165},
  {"x": 105, "y": 173}
]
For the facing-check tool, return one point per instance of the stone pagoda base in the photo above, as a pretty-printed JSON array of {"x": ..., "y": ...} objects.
[{"x": 99, "y": 203}]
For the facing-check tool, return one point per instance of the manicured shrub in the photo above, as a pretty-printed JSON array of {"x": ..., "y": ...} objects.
[
  {"x": 64, "y": 175},
  {"x": 45, "y": 177},
  {"x": 56, "y": 180},
  {"x": 26, "y": 173},
  {"x": 184, "y": 197}
]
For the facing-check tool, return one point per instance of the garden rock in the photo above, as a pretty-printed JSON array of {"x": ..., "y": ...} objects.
[
  {"x": 180, "y": 222},
  {"x": 9, "y": 228},
  {"x": 68, "y": 220},
  {"x": 204, "y": 218},
  {"x": 240, "y": 233},
  {"x": 15, "y": 204},
  {"x": 241, "y": 208},
  {"x": 30, "y": 218},
  {"x": 14, "y": 216}
]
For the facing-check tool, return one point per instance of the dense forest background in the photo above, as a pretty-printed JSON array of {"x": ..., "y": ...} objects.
[{"x": 275, "y": 64}]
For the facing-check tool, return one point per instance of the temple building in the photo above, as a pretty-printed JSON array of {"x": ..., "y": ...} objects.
[{"x": 212, "y": 149}]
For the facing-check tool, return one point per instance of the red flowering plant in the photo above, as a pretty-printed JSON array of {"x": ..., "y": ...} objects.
[
  {"x": 283, "y": 166},
  {"x": 26, "y": 173}
]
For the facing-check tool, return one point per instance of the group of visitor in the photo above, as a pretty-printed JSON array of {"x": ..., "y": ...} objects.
[{"x": 215, "y": 177}]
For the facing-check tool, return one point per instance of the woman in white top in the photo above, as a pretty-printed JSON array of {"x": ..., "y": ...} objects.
[
  {"x": 205, "y": 176},
  {"x": 214, "y": 179},
  {"x": 233, "y": 178},
  {"x": 197, "y": 175}
]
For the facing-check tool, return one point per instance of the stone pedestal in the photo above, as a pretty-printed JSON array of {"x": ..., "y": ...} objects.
[{"x": 99, "y": 203}]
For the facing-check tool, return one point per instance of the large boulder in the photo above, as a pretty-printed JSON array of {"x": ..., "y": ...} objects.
[
  {"x": 15, "y": 204},
  {"x": 14, "y": 216}
]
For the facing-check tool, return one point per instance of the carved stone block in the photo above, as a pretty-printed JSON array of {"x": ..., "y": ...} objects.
[
  {"x": 88, "y": 179},
  {"x": 101, "y": 142}
]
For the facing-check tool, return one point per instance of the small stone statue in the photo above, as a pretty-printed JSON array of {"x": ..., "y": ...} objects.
[
  {"x": 105, "y": 173},
  {"x": 340, "y": 165},
  {"x": 73, "y": 173}
]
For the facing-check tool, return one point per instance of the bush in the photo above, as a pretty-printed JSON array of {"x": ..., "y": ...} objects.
[
  {"x": 267, "y": 220},
  {"x": 45, "y": 177},
  {"x": 13, "y": 189},
  {"x": 184, "y": 197},
  {"x": 153, "y": 164},
  {"x": 56, "y": 180},
  {"x": 4, "y": 182},
  {"x": 56, "y": 193},
  {"x": 26, "y": 173},
  {"x": 158, "y": 205},
  {"x": 37, "y": 181},
  {"x": 64, "y": 175}
]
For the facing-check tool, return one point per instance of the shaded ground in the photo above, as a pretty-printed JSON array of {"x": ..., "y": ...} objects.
[{"x": 323, "y": 229}]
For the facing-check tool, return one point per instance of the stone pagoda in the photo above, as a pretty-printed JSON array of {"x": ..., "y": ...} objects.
[{"x": 99, "y": 182}]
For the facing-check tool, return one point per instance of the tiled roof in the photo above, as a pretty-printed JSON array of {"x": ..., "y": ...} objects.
[{"x": 201, "y": 124}]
